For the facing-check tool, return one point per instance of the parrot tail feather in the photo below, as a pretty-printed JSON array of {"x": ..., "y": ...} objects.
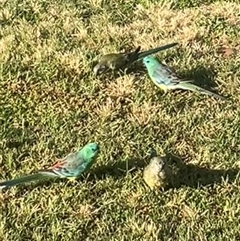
[
  {"x": 21, "y": 180},
  {"x": 195, "y": 88},
  {"x": 155, "y": 50}
]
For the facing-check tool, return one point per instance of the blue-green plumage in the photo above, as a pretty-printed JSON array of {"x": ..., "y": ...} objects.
[{"x": 166, "y": 79}]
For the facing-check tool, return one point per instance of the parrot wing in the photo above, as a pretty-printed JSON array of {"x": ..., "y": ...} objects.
[
  {"x": 165, "y": 75},
  {"x": 70, "y": 166}
]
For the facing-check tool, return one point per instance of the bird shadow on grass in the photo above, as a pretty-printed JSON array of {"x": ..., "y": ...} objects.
[
  {"x": 205, "y": 78},
  {"x": 183, "y": 174},
  {"x": 195, "y": 176},
  {"x": 118, "y": 170},
  {"x": 201, "y": 76}
]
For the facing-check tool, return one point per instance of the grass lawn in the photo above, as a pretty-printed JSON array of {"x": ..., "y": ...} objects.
[{"x": 52, "y": 104}]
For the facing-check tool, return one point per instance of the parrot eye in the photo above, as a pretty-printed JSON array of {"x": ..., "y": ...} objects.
[{"x": 94, "y": 148}]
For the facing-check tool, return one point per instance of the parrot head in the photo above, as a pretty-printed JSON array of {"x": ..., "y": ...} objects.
[
  {"x": 90, "y": 151},
  {"x": 159, "y": 166},
  {"x": 99, "y": 68},
  {"x": 150, "y": 62},
  {"x": 158, "y": 162},
  {"x": 156, "y": 173}
]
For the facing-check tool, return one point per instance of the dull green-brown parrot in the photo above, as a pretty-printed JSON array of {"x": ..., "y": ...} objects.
[
  {"x": 157, "y": 173},
  {"x": 117, "y": 61}
]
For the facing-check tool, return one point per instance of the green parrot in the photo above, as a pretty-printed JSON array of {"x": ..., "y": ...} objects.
[
  {"x": 117, "y": 61},
  {"x": 70, "y": 167},
  {"x": 166, "y": 79}
]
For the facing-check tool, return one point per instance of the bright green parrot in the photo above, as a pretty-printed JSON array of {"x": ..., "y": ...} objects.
[
  {"x": 166, "y": 79},
  {"x": 71, "y": 167},
  {"x": 117, "y": 61}
]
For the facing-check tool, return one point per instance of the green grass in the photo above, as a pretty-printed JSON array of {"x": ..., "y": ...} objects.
[{"x": 51, "y": 104}]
